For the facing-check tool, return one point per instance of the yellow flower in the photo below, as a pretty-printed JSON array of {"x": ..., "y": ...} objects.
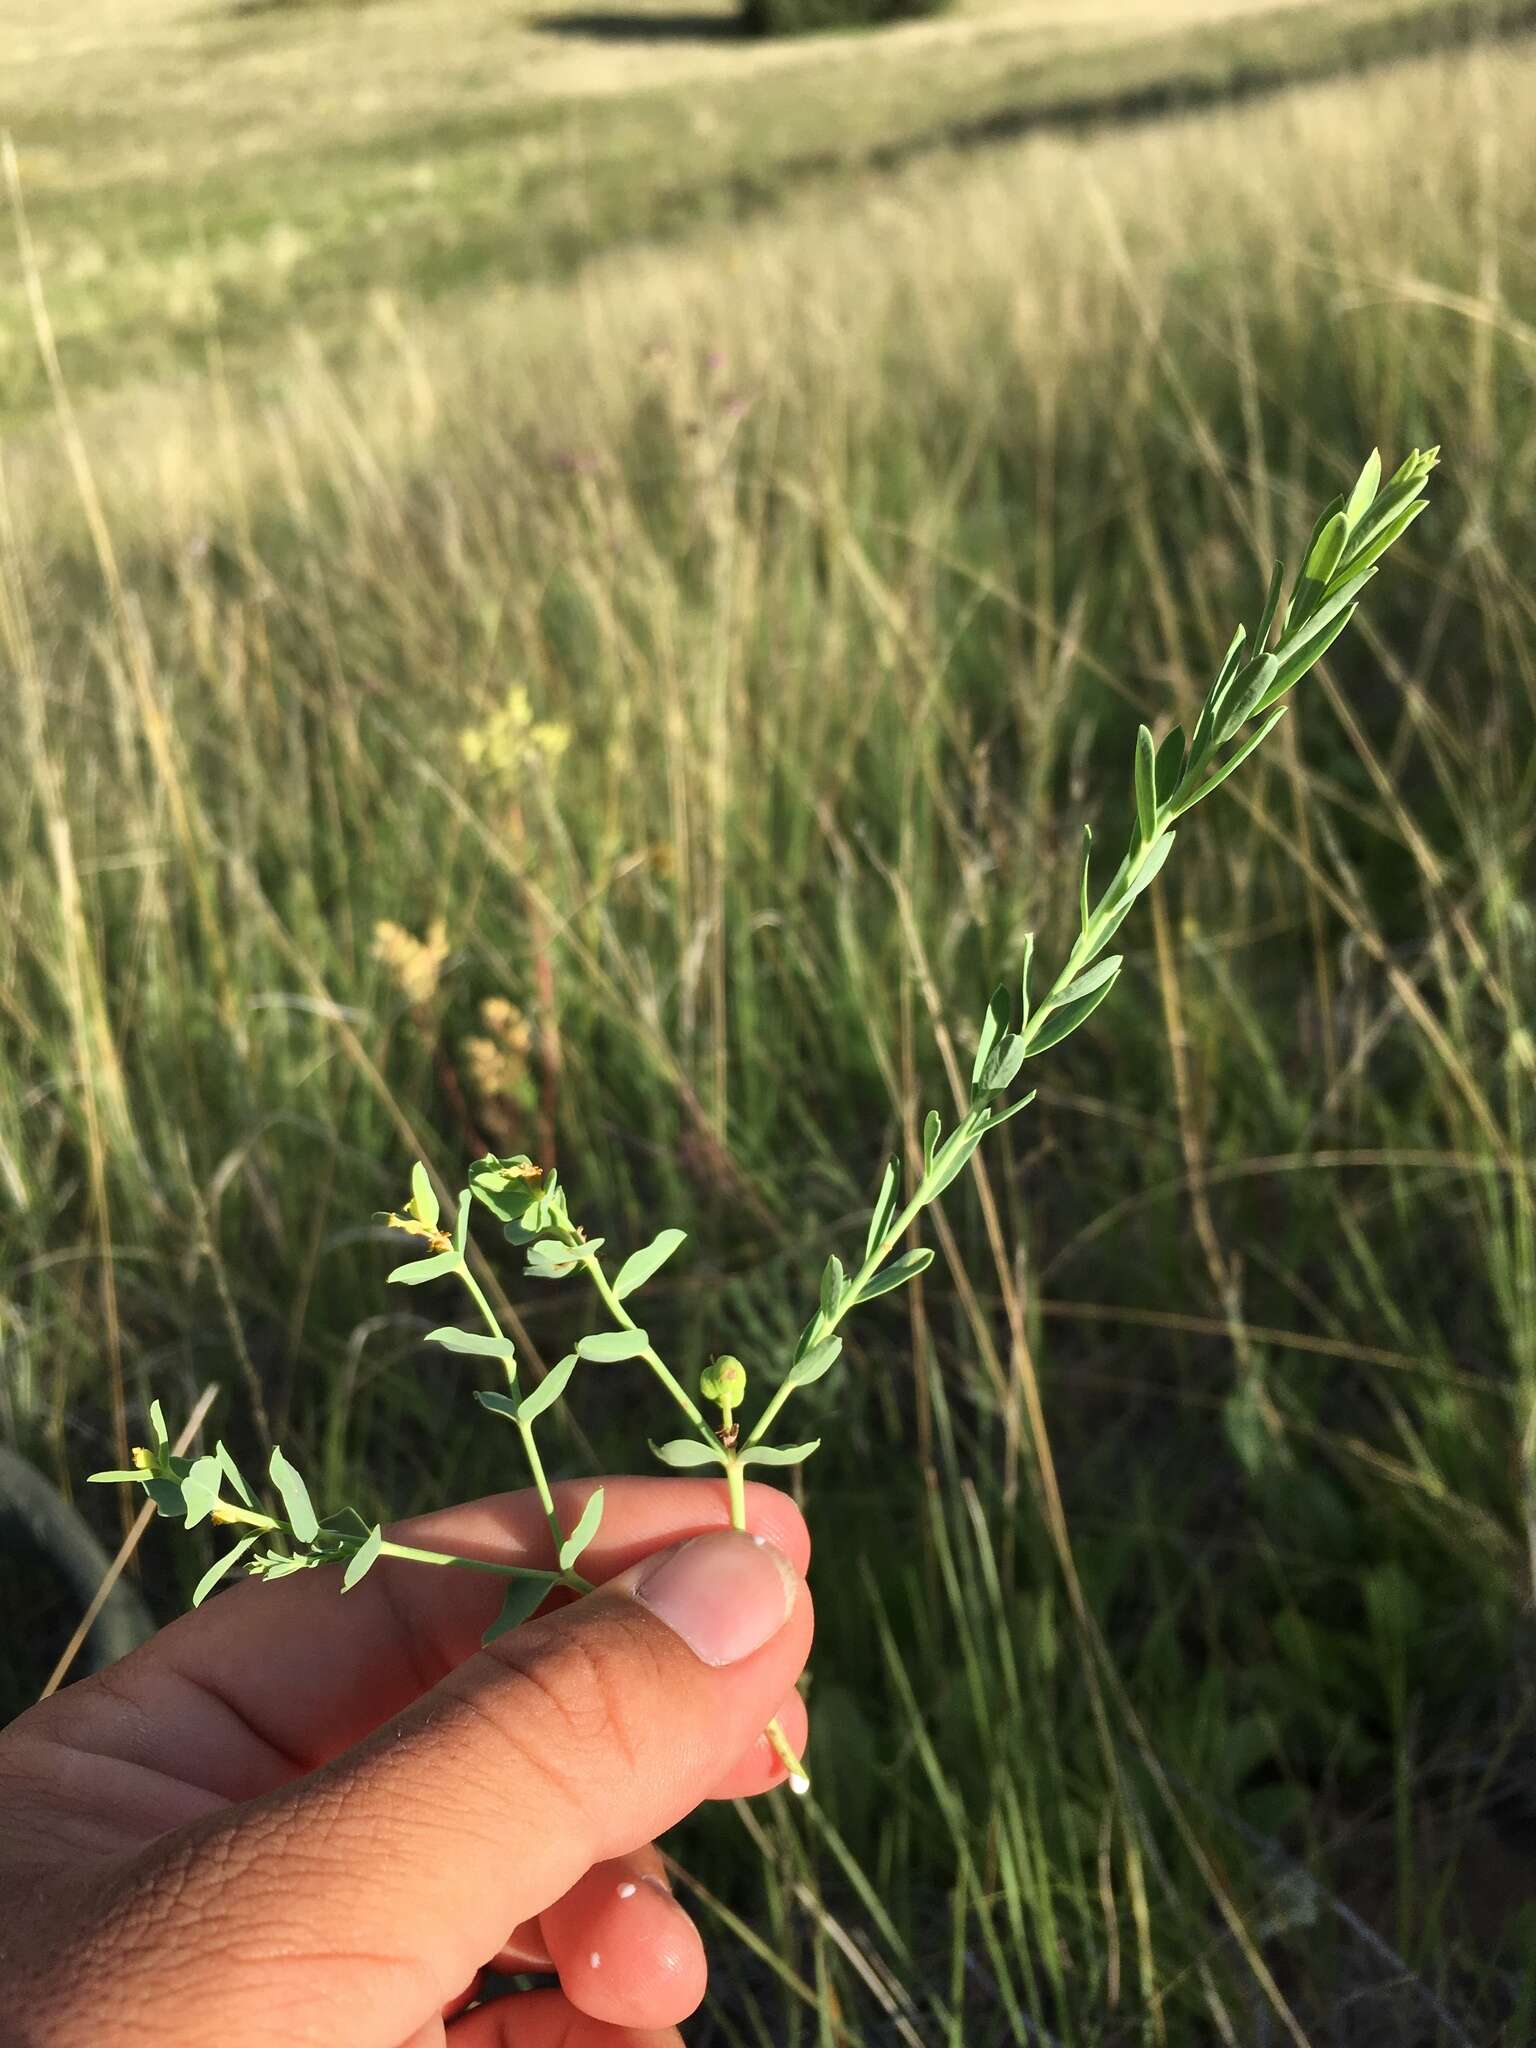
[{"x": 415, "y": 966}]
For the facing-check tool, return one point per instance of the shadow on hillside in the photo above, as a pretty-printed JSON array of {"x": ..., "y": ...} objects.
[
  {"x": 245, "y": 10},
  {"x": 615, "y": 27}
]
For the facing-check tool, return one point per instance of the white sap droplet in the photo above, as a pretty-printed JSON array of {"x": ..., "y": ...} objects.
[
  {"x": 799, "y": 1784},
  {"x": 761, "y": 1542},
  {"x": 627, "y": 1891},
  {"x": 596, "y": 1959}
]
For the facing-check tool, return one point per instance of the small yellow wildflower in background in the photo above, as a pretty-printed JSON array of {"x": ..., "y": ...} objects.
[
  {"x": 497, "y": 1063},
  {"x": 511, "y": 740},
  {"x": 415, "y": 966}
]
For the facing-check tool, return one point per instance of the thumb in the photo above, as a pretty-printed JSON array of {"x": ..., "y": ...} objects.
[{"x": 363, "y": 1896}]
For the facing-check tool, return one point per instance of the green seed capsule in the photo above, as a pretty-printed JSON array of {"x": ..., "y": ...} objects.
[{"x": 724, "y": 1381}]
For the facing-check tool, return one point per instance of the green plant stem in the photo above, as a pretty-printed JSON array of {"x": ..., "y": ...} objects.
[
  {"x": 963, "y": 1132},
  {"x": 1093, "y": 936},
  {"x": 625, "y": 1320},
  {"x": 736, "y": 1487},
  {"x": 778, "y": 1741},
  {"x": 1089, "y": 941},
  {"x": 251, "y": 1518},
  {"x": 524, "y": 1429}
]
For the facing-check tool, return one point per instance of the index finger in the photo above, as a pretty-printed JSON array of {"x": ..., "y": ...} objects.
[{"x": 269, "y": 1681}]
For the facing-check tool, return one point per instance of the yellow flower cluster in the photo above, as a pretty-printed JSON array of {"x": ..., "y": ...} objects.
[
  {"x": 496, "y": 1063},
  {"x": 512, "y": 740},
  {"x": 415, "y": 966}
]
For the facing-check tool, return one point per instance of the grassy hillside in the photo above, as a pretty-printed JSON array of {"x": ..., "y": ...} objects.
[
  {"x": 817, "y": 572},
  {"x": 201, "y": 176}
]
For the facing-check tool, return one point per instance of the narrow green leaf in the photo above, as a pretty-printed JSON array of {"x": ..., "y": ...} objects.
[
  {"x": 1029, "y": 956},
  {"x": 1254, "y": 739},
  {"x": 1086, "y": 982},
  {"x": 897, "y": 1274},
  {"x": 833, "y": 1282},
  {"x": 1306, "y": 656},
  {"x": 1252, "y": 687},
  {"x": 1367, "y": 484},
  {"x": 1083, "y": 888},
  {"x": 1325, "y": 519},
  {"x": 585, "y": 1529},
  {"x": 1201, "y": 738},
  {"x": 885, "y": 1205},
  {"x": 215, "y": 1572},
  {"x": 294, "y": 1495},
  {"x": 1146, "y": 783},
  {"x": 473, "y": 1343},
  {"x": 639, "y": 1266},
  {"x": 461, "y": 1223},
  {"x": 777, "y": 1454},
  {"x": 157, "y": 1424},
  {"x": 500, "y": 1404},
  {"x": 522, "y": 1599},
  {"x": 548, "y": 1391},
  {"x": 1001, "y": 1116},
  {"x": 231, "y": 1472},
  {"x": 105, "y": 1478},
  {"x": 424, "y": 1206},
  {"x": 611, "y": 1347},
  {"x": 993, "y": 1025},
  {"x": 1062, "y": 1023},
  {"x": 954, "y": 1164},
  {"x": 1005, "y": 1062},
  {"x": 685, "y": 1452},
  {"x": 932, "y": 1128},
  {"x": 363, "y": 1560},
  {"x": 418, "y": 1270},
  {"x": 1271, "y": 606},
  {"x": 1374, "y": 548},
  {"x": 818, "y": 1360},
  {"x": 1156, "y": 861},
  {"x": 345, "y": 1522},
  {"x": 1170, "y": 764}
]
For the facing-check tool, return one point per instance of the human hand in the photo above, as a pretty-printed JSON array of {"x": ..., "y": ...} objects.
[{"x": 296, "y": 1819}]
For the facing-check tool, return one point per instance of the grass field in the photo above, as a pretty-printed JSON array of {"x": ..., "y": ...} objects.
[
  {"x": 202, "y": 173},
  {"x": 842, "y": 550}
]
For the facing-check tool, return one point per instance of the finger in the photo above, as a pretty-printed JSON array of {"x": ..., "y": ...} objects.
[
  {"x": 268, "y": 1681},
  {"x": 547, "y": 2019},
  {"x": 525, "y": 1947},
  {"x": 625, "y": 1949},
  {"x": 760, "y": 1769},
  {"x": 570, "y": 1741}
]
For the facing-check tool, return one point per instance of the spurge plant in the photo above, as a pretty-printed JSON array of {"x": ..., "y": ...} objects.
[{"x": 1245, "y": 703}]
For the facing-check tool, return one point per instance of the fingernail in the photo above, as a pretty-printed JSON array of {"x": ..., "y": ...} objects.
[{"x": 722, "y": 1593}]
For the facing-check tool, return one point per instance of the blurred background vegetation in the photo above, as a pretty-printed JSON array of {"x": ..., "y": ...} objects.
[{"x": 569, "y": 582}]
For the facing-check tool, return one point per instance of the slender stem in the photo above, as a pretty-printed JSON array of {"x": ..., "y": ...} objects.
[
  {"x": 737, "y": 1487},
  {"x": 1088, "y": 942},
  {"x": 541, "y": 1484},
  {"x": 625, "y": 1320},
  {"x": 899, "y": 1226},
  {"x": 524, "y": 1429},
  {"x": 778, "y": 1741},
  {"x": 1092, "y": 935},
  {"x": 250, "y": 1518}
]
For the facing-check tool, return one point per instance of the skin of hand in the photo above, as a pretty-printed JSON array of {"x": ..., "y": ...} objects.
[{"x": 294, "y": 1819}]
